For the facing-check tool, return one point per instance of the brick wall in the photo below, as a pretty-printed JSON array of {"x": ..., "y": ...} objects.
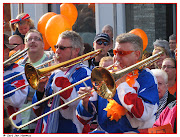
[{"x": 149, "y": 17}]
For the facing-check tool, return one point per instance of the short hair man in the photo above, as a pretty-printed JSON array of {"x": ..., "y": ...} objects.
[
  {"x": 137, "y": 101},
  {"x": 69, "y": 46},
  {"x": 17, "y": 41},
  {"x": 172, "y": 44},
  {"x": 101, "y": 41}
]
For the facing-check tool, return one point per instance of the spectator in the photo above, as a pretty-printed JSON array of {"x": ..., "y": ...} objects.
[
  {"x": 69, "y": 46},
  {"x": 17, "y": 42},
  {"x": 14, "y": 100},
  {"x": 169, "y": 66},
  {"x": 158, "y": 63},
  {"x": 101, "y": 41},
  {"x": 36, "y": 56},
  {"x": 21, "y": 25},
  {"x": 172, "y": 44},
  {"x": 106, "y": 61},
  {"x": 107, "y": 29},
  {"x": 168, "y": 116},
  {"x": 136, "y": 102},
  {"x": 164, "y": 96},
  {"x": 164, "y": 44}
]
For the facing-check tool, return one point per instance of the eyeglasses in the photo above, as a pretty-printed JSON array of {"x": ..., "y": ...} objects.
[
  {"x": 122, "y": 53},
  {"x": 101, "y": 42},
  {"x": 61, "y": 47},
  {"x": 35, "y": 39},
  {"x": 163, "y": 67}
]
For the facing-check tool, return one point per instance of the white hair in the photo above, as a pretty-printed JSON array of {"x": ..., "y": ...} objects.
[{"x": 160, "y": 73}]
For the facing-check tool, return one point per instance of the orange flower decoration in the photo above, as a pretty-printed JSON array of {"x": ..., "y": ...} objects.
[
  {"x": 114, "y": 110},
  {"x": 131, "y": 77}
]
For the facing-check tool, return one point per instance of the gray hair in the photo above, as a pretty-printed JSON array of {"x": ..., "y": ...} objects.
[
  {"x": 164, "y": 44},
  {"x": 172, "y": 37},
  {"x": 75, "y": 38},
  {"x": 160, "y": 73},
  {"x": 133, "y": 39}
]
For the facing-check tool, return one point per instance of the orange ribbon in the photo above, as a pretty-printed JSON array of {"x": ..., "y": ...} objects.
[{"x": 131, "y": 77}]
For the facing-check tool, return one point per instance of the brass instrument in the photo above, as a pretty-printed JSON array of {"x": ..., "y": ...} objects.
[
  {"x": 33, "y": 75},
  {"x": 103, "y": 82},
  {"x": 15, "y": 57},
  {"x": 22, "y": 74},
  {"x": 102, "y": 78}
]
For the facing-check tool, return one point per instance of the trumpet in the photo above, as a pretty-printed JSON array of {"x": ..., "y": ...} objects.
[
  {"x": 102, "y": 80},
  {"x": 15, "y": 57}
]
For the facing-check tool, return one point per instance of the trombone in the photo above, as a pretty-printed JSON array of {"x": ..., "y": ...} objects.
[
  {"x": 15, "y": 57},
  {"x": 20, "y": 75},
  {"x": 33, "y": 75},
  {"x": 37, "y": 72},
  {"x": 103, "y": 83},
  {"x": 24, "y": 72}
]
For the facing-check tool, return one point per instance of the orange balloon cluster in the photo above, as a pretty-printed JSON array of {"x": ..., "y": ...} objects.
[
  {"x": 70, "y": 11},
  {"x": 51, "y": 25},
  {"x": 42, "y": 25},
  {"x": 55, "y": 26},
  {"x": 141, "y": 34}
]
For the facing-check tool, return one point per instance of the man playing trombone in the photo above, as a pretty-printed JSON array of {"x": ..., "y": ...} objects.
[
  {"x": 136, "y": 99},
  {"x": 15, "y": 100},
  {"x": 69, "y": 46}
]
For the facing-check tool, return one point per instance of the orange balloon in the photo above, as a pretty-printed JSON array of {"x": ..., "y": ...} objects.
[
  {"x": 141, "y": 34},
  {"x": 70, "y": 11},
  {"x": 43, "y": 20},
  {"x": 46, "y": 44},
  {"x": 54, "y": 27}
]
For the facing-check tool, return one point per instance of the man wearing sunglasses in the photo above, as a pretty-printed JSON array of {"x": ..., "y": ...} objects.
[
  {"x": 101, "y": 41},
  {"x": 17, "y": 41},
  {"x": 136, "y": 94},
  {"x": 69, "y": 46},
  {"x": 36, "y": 56}
]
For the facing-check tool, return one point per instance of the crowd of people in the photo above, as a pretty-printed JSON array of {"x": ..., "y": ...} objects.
[{"x": 144, "y": 98}]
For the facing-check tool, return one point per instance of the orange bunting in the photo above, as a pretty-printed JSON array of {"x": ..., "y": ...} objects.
[
  {"x": 130, "y": 79},
  {"x": 114, "y": 110}
]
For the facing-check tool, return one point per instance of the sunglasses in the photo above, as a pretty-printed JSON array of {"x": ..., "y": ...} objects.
[
  {"x": 61, "y": 47},
  {"x": 101, "y": 42},
  {"x": 122, "y": 53}
]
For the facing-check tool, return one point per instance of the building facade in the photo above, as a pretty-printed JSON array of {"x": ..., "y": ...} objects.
[{"x": 157, "y": 20}]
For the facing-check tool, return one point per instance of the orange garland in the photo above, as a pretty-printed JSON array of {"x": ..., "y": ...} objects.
[{"x": 114, "y": 110}]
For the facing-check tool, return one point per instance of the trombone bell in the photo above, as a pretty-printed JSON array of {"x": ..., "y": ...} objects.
[
  {"x": 103, "y": 82},
  {"x": 32, "y": 75}
]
